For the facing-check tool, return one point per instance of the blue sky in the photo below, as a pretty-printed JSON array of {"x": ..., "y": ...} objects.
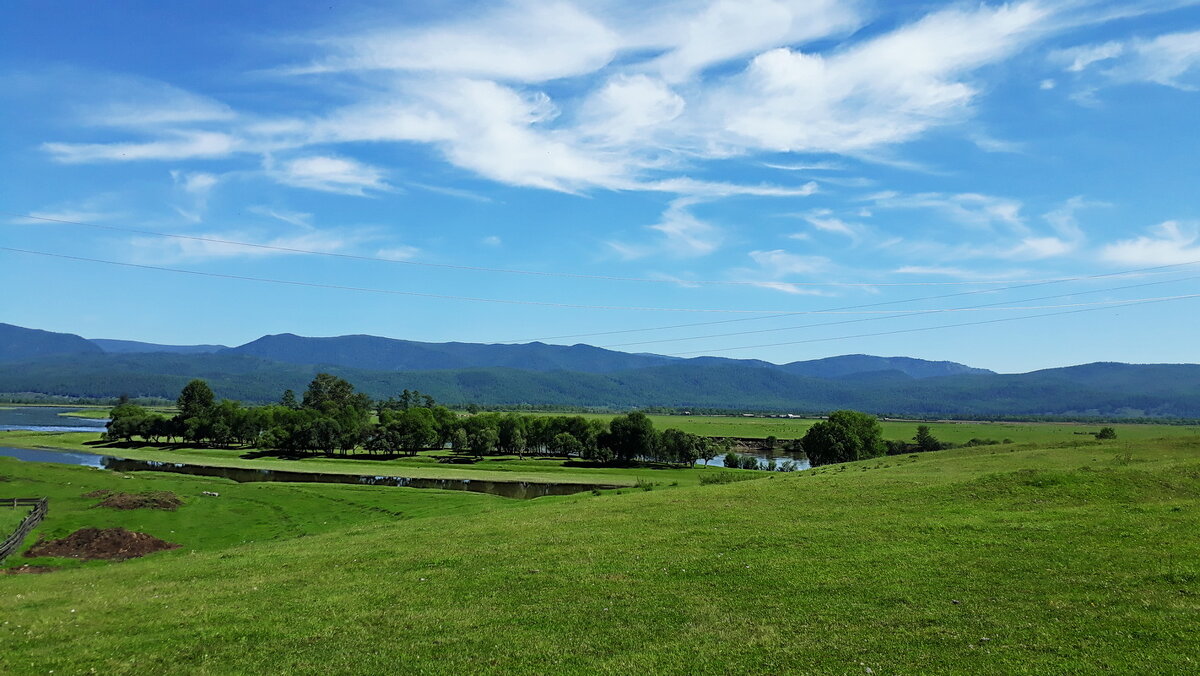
[{"x": 760, "y": 179}]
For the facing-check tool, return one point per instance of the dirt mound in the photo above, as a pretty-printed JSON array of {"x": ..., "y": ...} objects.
[
  {"x": 153, "y": 500},
  {"x": 29, "y": 570},
  {"x": 95, "y": 543},
  {"x": 98, "y": 493}
]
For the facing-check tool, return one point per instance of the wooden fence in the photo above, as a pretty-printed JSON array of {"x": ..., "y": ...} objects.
[{"x": 13, "y": 542}]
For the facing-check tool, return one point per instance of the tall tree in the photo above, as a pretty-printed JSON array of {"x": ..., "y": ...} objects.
[
  {"x": 631, "y": 435},
  {"x": 195, "y": 400}
]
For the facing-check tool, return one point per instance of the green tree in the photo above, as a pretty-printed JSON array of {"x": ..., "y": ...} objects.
[
  {"x": 328, "y": 393},
  {"x": 925, "y": 440},
  {"x": 288, "y": 399},
  {"x": 195, "y": 400},
  {"x": 1107, "y": 433},
  {"x": 844, "y": 436},
  {"x": 565, "y": 444},
  {"x": 630, "y": 436}
]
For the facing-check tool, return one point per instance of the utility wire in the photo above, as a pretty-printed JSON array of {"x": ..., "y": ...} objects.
[
  {"x": 934, "y": 328},
  {"x": 915, "y": 313},
  {"x": 538, "y": 273},
  {"x": 1124, "y": 273},
  {"x": 339, "y": 287}
]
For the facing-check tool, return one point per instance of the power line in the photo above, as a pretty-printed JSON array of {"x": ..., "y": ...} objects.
[
  {"x": 1140, "y": 271},
  {"x": 933, "y": 328},
  {"x": 418, "y": 294},
  {"x": 537, "y": 273},
  {"x": 914, "y": 313}
]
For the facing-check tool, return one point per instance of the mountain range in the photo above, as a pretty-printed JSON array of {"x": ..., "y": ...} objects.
[{"x": 582, "y": 375}]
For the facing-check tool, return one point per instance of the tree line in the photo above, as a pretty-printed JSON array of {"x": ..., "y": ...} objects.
[{"x": 332, "y": 418}]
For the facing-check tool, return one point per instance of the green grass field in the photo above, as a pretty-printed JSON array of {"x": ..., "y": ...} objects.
[
  {"x": 1065, "y": 557},
  {"x": 956, "y": 432}
]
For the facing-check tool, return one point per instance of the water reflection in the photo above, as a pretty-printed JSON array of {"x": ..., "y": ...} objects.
[
  {"x": 519, "y": 490},
  {"x": 47, "y": 419}
]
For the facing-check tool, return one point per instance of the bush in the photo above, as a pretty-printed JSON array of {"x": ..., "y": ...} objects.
[{"x": 724, "y": 478}]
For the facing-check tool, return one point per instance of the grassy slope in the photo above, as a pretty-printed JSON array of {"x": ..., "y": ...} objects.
[
  {"x": 242, "y": 512},
  {"x": 1078, "y": 559},
  {"x": 505, "y": 468}
]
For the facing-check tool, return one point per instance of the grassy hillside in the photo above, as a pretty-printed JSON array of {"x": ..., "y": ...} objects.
[{"x": 1025, "y": 558}]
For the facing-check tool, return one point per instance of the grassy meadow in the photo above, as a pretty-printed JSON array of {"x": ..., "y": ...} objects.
[{"x": 1071, "y": 556}]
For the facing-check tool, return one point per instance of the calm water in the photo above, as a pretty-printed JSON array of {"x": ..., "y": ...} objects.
[
  {"x": 47, "y": 419},
  {"x": 508, "y": 489},
  {"x": 763, "y": 458}
]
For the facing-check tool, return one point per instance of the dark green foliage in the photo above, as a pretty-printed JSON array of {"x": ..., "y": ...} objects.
[
  {"x": 631, "y": 436},
  {"x": 725, "y": 478},
  {"x": 1094, "y": 390},
  {"x": 845, "y": 436},
  {"x": 1106, "y": 433},
  {"x": 195, "y": 400},
  {"x": 925, "y": 440}
]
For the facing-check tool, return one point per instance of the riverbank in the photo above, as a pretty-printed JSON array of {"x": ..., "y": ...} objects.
[{"x": 422, "y": 466}]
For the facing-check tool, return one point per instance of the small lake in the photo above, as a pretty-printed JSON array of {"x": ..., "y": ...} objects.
[
  {"x": 519, "y": 490},
  {"x": 764, "y": 458},
  {"x": 47, "y": 419}
]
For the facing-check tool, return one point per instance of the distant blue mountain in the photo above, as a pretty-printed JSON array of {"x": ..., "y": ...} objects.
[
  {"x": 133, "y": 346},
  {"x": 17, "y": 342}
]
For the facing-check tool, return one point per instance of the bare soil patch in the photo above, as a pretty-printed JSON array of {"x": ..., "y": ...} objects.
[
  {"x": 29, "y": 570},
  {"x": 98, "y": 493},
  {"x": 152, "y": 500},
  {"x": 114, "y": 544}
]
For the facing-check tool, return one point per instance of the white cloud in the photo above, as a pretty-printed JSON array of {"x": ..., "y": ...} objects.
[
  {"x": 491, "y": 240},
  {"x": 72, "y": 215},
  {"x": 883, "y": 91},
  {"x": 682, "y": 235},
  {"x": 995, "y": 145},
  {"x": 1040, "y": 247},
  {"x": 629, "y": 106},
  {"x": 970, "y": 209},
  {"x": 329, "y": 174},
  {"x": 685, "y": 235},
  {"x": 399, "y": 253},
  {"x": 1077, "y": 59},
  {"x": 174, "y": 249},
  {"x": 1168, "y": 243},
  {"x": 176, "y": 146},
  {"x": 1171, "y": 59},
  {"x": 726, "y": 29},
  {"x": 1166, "y": 60},
  {"x": 713, "y": 189},
  {"x": 828, "y": 223},
  {"x": 196, "y": 187},
  {"x": 296, "y": 218},
  {"x": 525, "y": 41},
  {"x": 772, "y": 268},
  {"x": 1047, "y": 84}
]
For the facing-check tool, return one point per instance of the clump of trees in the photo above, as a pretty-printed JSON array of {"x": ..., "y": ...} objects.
[
  {"x": 332, "y": 418},
  {"x": 845, "y": 436},
  {"x": 1107, "y": 433}
]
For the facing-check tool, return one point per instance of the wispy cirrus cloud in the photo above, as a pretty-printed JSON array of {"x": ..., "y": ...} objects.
[{"x": 329, "y": 174}]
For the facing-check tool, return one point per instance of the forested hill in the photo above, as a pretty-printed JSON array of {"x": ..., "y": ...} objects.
[
  {"x": 388, "y": 354},
  {"x": 1115, "y": 390},
  {"x": 18, "y": 342}
]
